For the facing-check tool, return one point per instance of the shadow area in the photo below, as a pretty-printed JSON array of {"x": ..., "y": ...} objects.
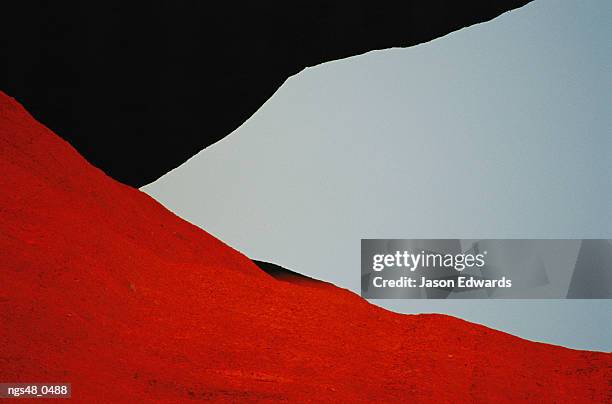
[{"x": 286, "y": 275}]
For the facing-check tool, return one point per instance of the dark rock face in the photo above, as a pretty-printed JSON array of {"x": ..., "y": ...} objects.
[
  {"x": 287, "y": 275},
  {"x": 138, "y": 88}
]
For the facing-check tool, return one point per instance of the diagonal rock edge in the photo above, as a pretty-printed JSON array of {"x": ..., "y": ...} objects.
[
  {"x": 137, "y": 89},
  {"x": 100, "y": 282}
]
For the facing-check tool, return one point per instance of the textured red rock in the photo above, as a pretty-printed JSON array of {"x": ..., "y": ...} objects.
[{"x": 104, "y": 288}]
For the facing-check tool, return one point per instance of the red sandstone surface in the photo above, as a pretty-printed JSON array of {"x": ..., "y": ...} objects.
[{"x": 106, "y": 289}]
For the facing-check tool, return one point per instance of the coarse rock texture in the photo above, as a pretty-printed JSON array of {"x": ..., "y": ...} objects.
[{"x": 104, "y": 288}]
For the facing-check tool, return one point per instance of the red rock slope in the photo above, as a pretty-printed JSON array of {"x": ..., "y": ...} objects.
[{"x": 104, "y": 288}]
